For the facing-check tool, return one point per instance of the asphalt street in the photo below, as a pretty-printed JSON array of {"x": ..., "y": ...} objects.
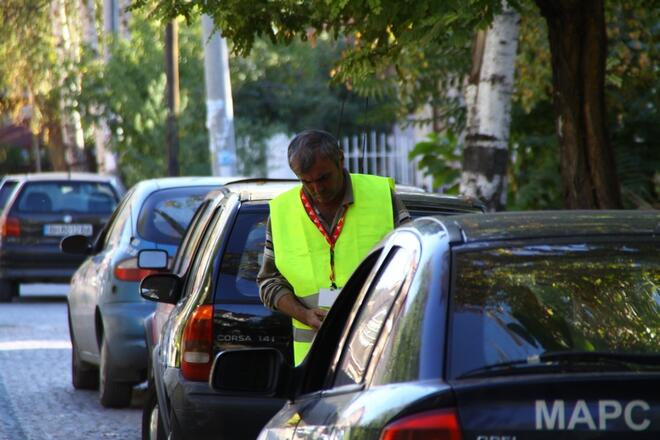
[{"x": 37, "y": 400}]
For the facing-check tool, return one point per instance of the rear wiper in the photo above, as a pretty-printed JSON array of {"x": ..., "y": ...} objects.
[
  {"x": 601, "y": 356},
  {"x": 561, "y": 359}
]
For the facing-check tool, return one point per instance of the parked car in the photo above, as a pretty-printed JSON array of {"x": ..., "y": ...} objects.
[
  {"x": 155, "y": 321},
  {"x": 105, "y": 309},
  {"x": 218, "y": 307},
  {"x": 41, "y": 209},
  {"x": 510, "y": 325}
]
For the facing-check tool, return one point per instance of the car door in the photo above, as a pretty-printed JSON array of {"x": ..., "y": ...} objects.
[
  {"x": 90, "y": 278},
  {"x": 336, "y": 379}
]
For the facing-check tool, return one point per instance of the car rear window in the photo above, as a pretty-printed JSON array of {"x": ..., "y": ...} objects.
[
  {"x": 243, "y": 256},
  {"x": 513, "y": 304},
  {"x": 166, "y": 213},
  {"x": 67, "y": 196}
]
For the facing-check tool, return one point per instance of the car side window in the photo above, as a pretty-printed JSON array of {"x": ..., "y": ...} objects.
[
  {"x": 242, "y": 257},
  {"x": 112, "y": 235},
  {"x": 202, "y": 265},
  {"x": 372, "y": 315}
]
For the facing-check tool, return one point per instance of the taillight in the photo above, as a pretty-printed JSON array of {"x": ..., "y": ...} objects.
[
  {"x": 10, "y": 227},
  {"x": 128, "y": 270},
  {"x": 197, "y": 345},
  {"x": 432, "y": 425}
]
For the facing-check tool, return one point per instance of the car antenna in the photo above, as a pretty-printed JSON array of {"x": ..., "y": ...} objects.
[{"x": 364, "y": 140}]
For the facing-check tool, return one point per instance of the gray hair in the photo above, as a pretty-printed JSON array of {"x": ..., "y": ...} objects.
[{"x": 307, "y": 144}]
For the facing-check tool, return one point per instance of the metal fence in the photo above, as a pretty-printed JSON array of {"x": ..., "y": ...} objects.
[{"x": 385, "y": 155}]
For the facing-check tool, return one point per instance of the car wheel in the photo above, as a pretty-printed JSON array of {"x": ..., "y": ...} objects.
[
  {"x": 8, "y": 290},
  {"x": 152, "y": 428},
  {"x": 113, "y": 394},
  {"x": 84, "y": 376}
]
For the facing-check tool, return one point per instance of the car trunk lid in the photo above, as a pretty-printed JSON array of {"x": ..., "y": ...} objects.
[{"x": 580, "y": 406}]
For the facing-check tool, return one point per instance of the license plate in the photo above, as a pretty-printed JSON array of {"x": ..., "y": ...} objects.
[{"x": 63, "y": 230}]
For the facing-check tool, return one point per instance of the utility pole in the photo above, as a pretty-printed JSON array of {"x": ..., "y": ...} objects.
[
  {"x": 172, "y": 73},
  {"x": 219, "y": 104}
]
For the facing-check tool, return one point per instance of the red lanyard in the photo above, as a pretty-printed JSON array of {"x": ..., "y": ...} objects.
[{"x": 331, "y": 239}]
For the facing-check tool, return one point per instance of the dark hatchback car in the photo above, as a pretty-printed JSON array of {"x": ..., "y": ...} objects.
[
  {"x": 43, "y": 208},
  {"x": 531, "y": 325},
  {"x": 218, "y": 308}
]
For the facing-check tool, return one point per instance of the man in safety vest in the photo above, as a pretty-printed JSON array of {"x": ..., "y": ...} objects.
[{"x": 320, "y": 231}]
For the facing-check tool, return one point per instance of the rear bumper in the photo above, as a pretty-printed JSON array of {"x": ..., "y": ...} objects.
[
  {"x": 37, "y": 264},
  {"x": 202, "y": 413}
]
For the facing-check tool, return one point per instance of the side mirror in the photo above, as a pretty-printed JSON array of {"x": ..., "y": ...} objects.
[
  {"x": 229, "y": 375},
  {"x": 152, "y": 259},
  {"x": 161, "y": 287},
  {"x": 76, "y": 244}
]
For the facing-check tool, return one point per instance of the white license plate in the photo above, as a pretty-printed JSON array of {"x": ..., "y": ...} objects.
[{"x": 63, "y": 230}]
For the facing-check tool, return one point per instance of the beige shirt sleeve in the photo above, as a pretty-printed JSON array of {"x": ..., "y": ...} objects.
[{"x": 272, "y": 285}]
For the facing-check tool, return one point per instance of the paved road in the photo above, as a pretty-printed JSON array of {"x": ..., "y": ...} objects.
[{"x": 37, "y": 400}]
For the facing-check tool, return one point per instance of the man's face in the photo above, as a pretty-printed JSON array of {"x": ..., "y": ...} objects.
[{"x": 324, "y": 181}]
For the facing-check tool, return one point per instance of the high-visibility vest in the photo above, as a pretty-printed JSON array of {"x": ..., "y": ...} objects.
[{"x": 302, "y": 254}]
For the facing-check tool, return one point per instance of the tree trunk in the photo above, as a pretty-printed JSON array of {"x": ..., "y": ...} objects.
[
  {"x": 488, "y": 98},
  {"x": 576, "y": 30},
  {"x": 68, "y": 47}
]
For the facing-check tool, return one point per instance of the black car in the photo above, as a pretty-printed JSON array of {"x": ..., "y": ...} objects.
[
  {"x": 42, "y": 209},
  {"x": 537, "y": 325},
  {"x": 218, "y": 308}
]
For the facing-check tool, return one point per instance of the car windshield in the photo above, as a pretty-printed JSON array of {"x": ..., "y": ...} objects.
[
  {"x": 66, "y": 196},
  {"x": 518, "y": 305}
]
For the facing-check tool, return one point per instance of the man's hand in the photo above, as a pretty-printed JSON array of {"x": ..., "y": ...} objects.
[
  {"x": 289, "y": 305},
  {"x": 315, "y": 317}
]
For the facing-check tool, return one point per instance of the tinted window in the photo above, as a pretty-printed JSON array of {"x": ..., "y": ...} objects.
[
  {"x": 194, "y": 233},
  {"x": 514, "y": 303},
  {"x": 165, "y": 214},
  {"x": 242, "y": 258},
  {"x": 69, "y": 196},
  {"x": 5, "y": 191},
  {"x": 373, "y": 313}
]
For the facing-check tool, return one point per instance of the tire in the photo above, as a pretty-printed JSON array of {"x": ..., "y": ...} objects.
[
  {"x": 8, "y": 290},
  {"x": 113, "y": 394},
  {"x": 84, "y": 376},
  {"x": 152, "y": 427}
]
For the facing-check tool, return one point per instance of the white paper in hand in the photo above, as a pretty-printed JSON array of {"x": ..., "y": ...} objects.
[{"x": 327, "y": 297}]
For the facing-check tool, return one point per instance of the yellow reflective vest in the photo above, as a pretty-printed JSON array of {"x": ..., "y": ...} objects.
[{"x": 302, "y": 254}]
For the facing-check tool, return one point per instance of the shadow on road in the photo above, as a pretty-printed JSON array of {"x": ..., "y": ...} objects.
[{"x": 40, "y": 299}]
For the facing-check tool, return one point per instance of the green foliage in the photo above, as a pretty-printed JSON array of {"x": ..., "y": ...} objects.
[
  {"x": 633, "y": 98},
  {"x": 129, "y": 90},
  {"x": 534, "y": 177},
  {"x": 440, "y": 157},
  {"x": 29, "y": 69}
]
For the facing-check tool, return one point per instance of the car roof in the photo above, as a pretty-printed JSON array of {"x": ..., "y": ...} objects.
[
  {"x": 181, "y": 181},
  {"x": 450, "y": 204},
  {"x": 552, "y": 224},
  {"x": 260, "y": 189},
  {"x": 57, "y": 175}
]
